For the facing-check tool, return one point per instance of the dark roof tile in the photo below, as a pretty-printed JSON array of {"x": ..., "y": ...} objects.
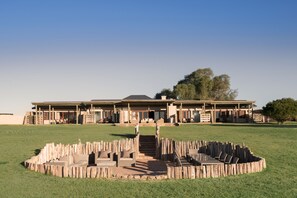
[{"x": 137, "y": 97}]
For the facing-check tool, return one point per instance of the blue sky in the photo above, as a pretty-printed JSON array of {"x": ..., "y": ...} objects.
[{"x": 83, "y": 50}]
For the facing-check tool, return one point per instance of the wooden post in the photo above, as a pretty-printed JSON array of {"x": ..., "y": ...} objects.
[
  {"x": 54, "y": 115},
  {"x": 114, "y": 114},
  {"x": 181, "y": 113},
  {"x": 129, "y": 112},
  {"x": 36, "y": 116},
  {"x": 203, "y": 108},
  {"x": 252, "y": 111},
  {"x": 49, "y": 113},
  {"x": 92, "y": 113},
  {"x": 211, "y": 115},
  {"x": 157, "y": 141},
  {"x": 76, "y": 114},
  {"x": 238, "y": 112},
  {"x": 233, "y": 114},
  {"x": 214, "y": 114}
]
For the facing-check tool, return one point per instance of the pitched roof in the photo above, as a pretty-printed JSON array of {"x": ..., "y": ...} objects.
[{"x": 137, "y": 97}]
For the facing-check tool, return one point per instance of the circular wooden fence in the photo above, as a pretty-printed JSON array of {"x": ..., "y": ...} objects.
[{"x": 47, "y": 161}]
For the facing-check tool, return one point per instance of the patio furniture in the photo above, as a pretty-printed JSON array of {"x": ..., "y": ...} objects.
[
  {"x": 228, "y": 159},
  {"x": 63, "y": 161},
  {"x": 66, "y": 160},
  {"x": 71, "y": 160},
  {"x": 126, "y": 158},
  {"x": 180, "y": 160},
  {"x": 190, "y": 153},
  {"x": 203, "y": 159},
  {"x": 235, "y": 160},
  {"x": 80, "y": 160},
  {"x": 223, "y": 157},
  {"x": 218, "y": 155},
  {"x": 105, "y": 159}
]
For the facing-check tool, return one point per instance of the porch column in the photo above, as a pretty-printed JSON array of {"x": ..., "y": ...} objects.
[
  {"x": 252, "y": 109},
  {"x": 167, "y": 113},
  {"x": 114, "y": 114},
  {"x": 211, "y": 115},
  {"x": 36, "y": 116},
  {"x": 92, "y": 113},
  {"x": 215, "y": 113},
  {"x": 49, "y": 114},
  {"x": 233, "y": 114},
  {"x": 129, "y": 112},
  {"x": 121, "y": 117},
  {"x": 181, "y": 112},
  {"x": 238, "y": 112},
  {"x": 41, "y": 115},
  {"x": 54, "y": 115},
  {"x": 249, "y": 114},
  {"x": 76, "y": 114}
]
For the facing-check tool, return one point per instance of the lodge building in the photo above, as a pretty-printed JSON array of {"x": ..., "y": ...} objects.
[{"x": 140, "y": 109}]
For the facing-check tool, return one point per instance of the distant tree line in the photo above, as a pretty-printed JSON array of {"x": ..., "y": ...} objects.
[{"x": 202, "y": 85}]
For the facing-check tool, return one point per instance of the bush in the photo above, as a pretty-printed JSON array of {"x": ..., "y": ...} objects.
[{"x": 281, "y": 110}]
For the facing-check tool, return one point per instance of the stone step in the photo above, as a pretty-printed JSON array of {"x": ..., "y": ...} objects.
[
  {"x": 147, "y": 143},
  {"x": 145, "y": 139},
  {"x": 147, "y": 148},
  {"x": 147, "y": 153},
  {"x": 151, "y": 142},
  {"x": 146, "y": 157}
]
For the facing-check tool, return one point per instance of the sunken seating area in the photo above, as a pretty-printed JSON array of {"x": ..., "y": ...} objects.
[
  {"x": 122, "y": 159},
  {"x": 89, "y": 160},
  {"x": 217, "y": 164}
]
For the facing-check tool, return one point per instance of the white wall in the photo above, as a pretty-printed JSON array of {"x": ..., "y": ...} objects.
[{"x": 11, "y": 119}]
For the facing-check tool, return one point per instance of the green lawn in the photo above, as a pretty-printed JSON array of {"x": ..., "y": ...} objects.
[{"x": 277, "y": 144}]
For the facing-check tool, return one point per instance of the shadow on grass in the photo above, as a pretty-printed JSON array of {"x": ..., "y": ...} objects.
[
  {"x": 37, "y": 151},
  {"x": 23, "y": 164},
  {"x": 266, "y": 125},
  {"x": 123, "y": 135}
]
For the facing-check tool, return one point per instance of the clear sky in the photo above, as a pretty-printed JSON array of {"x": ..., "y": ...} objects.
[{"x": 83, "y": 50}]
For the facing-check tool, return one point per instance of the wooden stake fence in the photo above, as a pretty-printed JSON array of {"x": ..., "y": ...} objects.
[
  {"x": 165, "y": 147},
  {"x": 52, "y": 152},
  {"x": 212, "y": 171},
  {"x": 248, "y": 163},
  {"x": 168, "y": 146}
]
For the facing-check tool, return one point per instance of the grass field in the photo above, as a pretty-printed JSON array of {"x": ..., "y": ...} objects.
[{"x": 277, "y": 144}]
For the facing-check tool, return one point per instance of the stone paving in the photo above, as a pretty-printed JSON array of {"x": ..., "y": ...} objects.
[{"x": 149, "y": 167}]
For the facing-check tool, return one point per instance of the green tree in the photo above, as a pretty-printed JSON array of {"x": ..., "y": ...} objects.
[
  {"x": 281, "y": 110},
  {"x": 207, "y": 86},
  {"x": 202, "y": 80},
  {"x": 221, "y": 88},
  {"x": 185, "y": 91},
  {"x": 165, "y": 92}
]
